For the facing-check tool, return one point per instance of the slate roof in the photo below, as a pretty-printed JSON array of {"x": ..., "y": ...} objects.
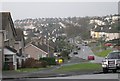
[
  {"x": 105, "y": 28},
  {"x": 43, "y": 47}
]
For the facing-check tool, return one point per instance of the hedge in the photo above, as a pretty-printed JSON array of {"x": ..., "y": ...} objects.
[{"x": 49, "y": 60}]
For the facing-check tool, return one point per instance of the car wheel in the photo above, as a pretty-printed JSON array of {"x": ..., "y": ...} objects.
[
  {"x": 114, "y": 71},
  {"x": 105, "y": 70}
]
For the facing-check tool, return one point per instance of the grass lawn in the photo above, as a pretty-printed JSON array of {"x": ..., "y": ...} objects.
[
  {"x": 80, "y": 67},
  {"x": 30, "y": 69},
  {"x": 103, "y": 53}
]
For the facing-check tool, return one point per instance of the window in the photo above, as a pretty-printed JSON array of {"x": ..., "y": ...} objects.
[
  {"x": 114, "y": 55},
  {"x": 8, "y": 58}
]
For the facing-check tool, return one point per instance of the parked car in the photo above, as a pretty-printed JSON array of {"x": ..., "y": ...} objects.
[
  {"x": 75, "y": 52},
  {"x": 91, "y": 57},
  {"x": 111, "y": 62},
  {"x": 108, "y": 44},
  {"x": 79, "y": 48}
]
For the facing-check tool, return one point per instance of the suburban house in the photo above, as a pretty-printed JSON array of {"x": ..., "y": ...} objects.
[
  {"x": 100, "y": 31},
  {"x": 10, "y": 40},
  {"x": 111, "y": 36},
  {"x": 9, "y": 35},
  {"x": 38, "y": 49},
  {"x": 19, "y": 46}
]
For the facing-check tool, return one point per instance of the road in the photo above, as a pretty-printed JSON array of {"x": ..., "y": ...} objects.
[
  {"x": 93, "y": 77},
  {"x": 85, "y": 52}
]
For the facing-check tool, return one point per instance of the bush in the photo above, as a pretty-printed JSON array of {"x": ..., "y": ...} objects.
[
  {"x": 44, "y": 63},
  {"x": 32, "y": 63},
  {"x": 6, "y": 66},
  {"x": 49, "y": 60}
]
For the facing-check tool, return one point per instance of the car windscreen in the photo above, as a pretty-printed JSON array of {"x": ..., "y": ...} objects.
[{"x": 114, "y": 55}]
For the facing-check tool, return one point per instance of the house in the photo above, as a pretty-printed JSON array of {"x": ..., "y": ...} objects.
[
  {"x": 19, "y": 46},
  {"x": 19, "y": 42},
  {"x": 9, "y": 35},
  {"x": 33, "y": 51},
  {"x": 111, "y": 36},
  {"x": 107, "y": 31},
  {"x": 98, "y": 31},
  {"x": 39, "y": 48}
]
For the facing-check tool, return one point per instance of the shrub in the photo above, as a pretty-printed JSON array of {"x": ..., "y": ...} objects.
[
  {"x": 49, "y": 60},
  {"x": 44, "y": 63},
  {"x": 32, "y": 63}
]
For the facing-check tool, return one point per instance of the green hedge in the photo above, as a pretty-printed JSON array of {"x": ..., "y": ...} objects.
[
  {"x": 6, "y": 66},
  {"x": 49, "y": 60}
]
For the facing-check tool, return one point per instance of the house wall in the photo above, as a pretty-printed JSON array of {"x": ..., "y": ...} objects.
[
  {"x": 8, "y": 31},
  {"x": 34, "y": 52},
  {"x": 95, "y": 34},
  {"x": 8, "y": 36},
  {"x": 19, "y": 45},
  {"x": 111, "y": 36}
]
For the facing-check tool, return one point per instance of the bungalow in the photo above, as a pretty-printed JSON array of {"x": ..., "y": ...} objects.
[
  {"x": 33, "y": 51},
  {"x": 38, "y": 49}
]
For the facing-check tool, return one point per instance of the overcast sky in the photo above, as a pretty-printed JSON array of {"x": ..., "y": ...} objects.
[{"x": 22, "y": 10}]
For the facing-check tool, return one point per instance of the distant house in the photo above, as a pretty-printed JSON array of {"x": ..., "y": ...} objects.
[
  {"x": 100, "y": 31},
  {"x": 111, "y": 36}
]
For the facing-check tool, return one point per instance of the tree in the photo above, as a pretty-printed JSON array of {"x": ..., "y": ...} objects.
[{"x": 72, "y": 30}]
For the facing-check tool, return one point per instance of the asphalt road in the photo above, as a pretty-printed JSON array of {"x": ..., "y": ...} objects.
[
  {"x": 85, "y": 52},
  {"x": 93, "y": 77}
]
